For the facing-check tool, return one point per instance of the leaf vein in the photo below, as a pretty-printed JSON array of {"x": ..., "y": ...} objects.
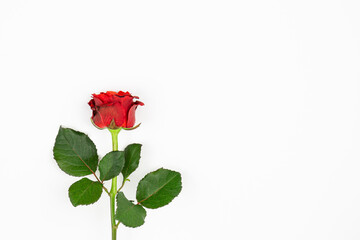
[{"x": 158, "y": 189}]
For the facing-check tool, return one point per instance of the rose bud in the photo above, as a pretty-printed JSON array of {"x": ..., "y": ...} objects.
[{"x": 114, "y": 109}]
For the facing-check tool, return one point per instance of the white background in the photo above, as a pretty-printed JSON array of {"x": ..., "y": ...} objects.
[{"x": 256, "y": 103}]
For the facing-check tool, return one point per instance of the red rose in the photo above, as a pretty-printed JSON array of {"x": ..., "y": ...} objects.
[{"x": 114, "y": 110}]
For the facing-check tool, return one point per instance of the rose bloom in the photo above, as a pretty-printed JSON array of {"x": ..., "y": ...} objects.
[{"x": 114, "y": 109}]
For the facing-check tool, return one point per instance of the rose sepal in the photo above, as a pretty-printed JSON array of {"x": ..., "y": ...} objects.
[
  {"x": 132, "y": 128},
  {"x": 114, "y": 128}
]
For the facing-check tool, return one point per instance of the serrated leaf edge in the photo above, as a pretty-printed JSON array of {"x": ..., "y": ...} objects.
[
  {"x": 128, "y": 174},
  {"x": 140, "y": 202},
  {"x": 91, "y": 171},
  {"x": 92, "y": 182},
  {"x": 103, "y": 179},
  {"x": 133, "y": 205}
]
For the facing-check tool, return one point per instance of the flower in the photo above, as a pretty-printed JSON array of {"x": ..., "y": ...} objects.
[{"x": 114, "y": 109}]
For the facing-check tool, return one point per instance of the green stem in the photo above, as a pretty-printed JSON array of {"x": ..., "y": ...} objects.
[
  {"x": 112, "y": 212},
  {"x": 113, "y": 190}
]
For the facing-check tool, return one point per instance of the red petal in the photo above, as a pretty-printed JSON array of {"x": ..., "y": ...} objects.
[
  {"x": 126, "y": 102},
  {"x": 98, "y": 121},
  {"x": 121, "y": 93},
  {"x": 117, "y": 106},
  {"x": 120, "y": 115},
  {"x": 103, "y": 98},
  {"x": 131, "y": 114},
  {"x": 91, "y": 103}
]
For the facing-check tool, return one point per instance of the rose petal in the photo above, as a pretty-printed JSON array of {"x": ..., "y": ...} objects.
[
  {"x": 97, "y": 120},
  {"x": 121, "y": 93},
  {"x": 114, "y": 107},
  {"x": 103, "y": 98},
  {"x": 125, "y": 101},
  {"x": 92, "y": 104},
  {"x": 131, "y": 114},
  {"x": 120, "y": 115}
]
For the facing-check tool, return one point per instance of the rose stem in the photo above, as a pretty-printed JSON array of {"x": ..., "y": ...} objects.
[{"x": 113, "y": 191}]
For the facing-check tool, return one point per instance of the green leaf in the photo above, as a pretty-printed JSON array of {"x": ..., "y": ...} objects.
[
  {"x": 75, "y": 153},
  {"x": 132, "y": 157},
  {"x": 129, "y": 214},
  {"x": 84, "y": 192},
  {"x": 111, "y": 165},
  {"x": 158, "y": 188}
]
